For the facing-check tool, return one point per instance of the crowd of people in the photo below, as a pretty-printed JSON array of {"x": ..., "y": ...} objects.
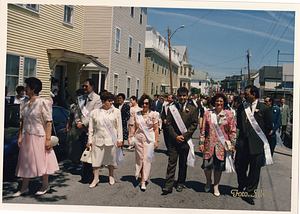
[{"x": 236, "y": 133}]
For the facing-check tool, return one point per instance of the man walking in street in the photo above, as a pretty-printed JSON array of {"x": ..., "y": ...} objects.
[
  {"x": 252, "y": 143},
  {"x": 182, "y": 121},
  {"x": 86, "y": 103},
  {"x": 171, "y": 98},
  {"x": 276, "y": 122},
  {"x": 157, "y": 104},
  {"x": 285, "y": 117}
]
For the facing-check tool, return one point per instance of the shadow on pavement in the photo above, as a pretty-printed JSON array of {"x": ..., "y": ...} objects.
[
  {"x": 159, "y": 182},
  {"x": 283, "y": 154},
  {"x": 131, "y": 179}
]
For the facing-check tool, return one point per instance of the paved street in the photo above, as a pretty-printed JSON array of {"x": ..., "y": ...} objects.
[{"x": 275, "y": 184}]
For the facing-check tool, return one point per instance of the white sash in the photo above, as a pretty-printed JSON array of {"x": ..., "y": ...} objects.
[
  {"x": 259, "y": 132},
  {"x": 228, "y": 162},
  {"x": 109, "y": 128},
  {"x": 180, "y": 124},
  {"x": 166, "y": 109},
  {"x": 150, "y": 155},
  {"x": 83, "y": 109},
  {"x": 194, "y": 101}
]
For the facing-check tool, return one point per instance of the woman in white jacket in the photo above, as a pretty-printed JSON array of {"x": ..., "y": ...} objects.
[{"x": 103, "y": 146}]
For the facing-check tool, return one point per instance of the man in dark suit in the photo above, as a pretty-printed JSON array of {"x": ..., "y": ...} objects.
[
  {"x": 178, "y": 145},
  {"x": 157, "y": 104},
  {"x": 250, "y": 147},
  {"x": 171, "y": 98},
  {"x": 276, "y": 122},
  {"x": 125, "y": 113}
]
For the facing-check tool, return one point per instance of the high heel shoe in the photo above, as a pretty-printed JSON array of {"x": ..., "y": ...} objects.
[
  {"x": 17, "y": 194},
  {"x": 94, "y": 185},
  {"x": 207, "y": 189},
  {"x": 217, "y": 193},
  {"x": 111, "y": 180},
  {"x": 143, "y": 185},
  {"x": 42, "y": 192}
]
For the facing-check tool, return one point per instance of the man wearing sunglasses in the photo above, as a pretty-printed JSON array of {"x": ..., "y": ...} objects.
[
  {"x": 178, "y": 141},
  {"x": 91, "y": 101}
]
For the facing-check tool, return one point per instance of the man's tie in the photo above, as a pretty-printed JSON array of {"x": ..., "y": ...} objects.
[{"x": 181, "y": 111}]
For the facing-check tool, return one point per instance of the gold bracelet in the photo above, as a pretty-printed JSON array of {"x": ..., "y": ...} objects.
[{"x": 48, "y": 139}]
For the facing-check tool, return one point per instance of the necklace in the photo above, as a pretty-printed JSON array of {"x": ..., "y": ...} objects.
[{"x": 143, "y": 113}]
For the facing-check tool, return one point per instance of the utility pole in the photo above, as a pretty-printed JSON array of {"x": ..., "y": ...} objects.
[
  {"x": 241, "y": 80},
  {"x": 170, "y": 61},
  {"x": 248, "y": 56}
]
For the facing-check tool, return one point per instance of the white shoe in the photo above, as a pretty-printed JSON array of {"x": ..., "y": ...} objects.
[
  {"x": 42, "y": 192},
  {"x": 17, "y": 194},
  {"x": 94, "y": 185},
  {"x": 143, "y": 185},
  {"x": 111, "y": 180}
]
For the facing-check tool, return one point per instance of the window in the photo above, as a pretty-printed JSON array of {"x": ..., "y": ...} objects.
[
  {"x": 33, "y": 7},
  {"x": 132, "y": 11},
  {"x": 162, "y": 69},
  {"x": 153, "y": 64},
  {"x": 12, "y": 72},
  {"x": 130, "y": 47},
  {"x": 139, "y": 52},
  {"x": 165, "y": 70},
  {"x": 118, "y": 36},
  {"x": 157, "y": 66},
  {"x": 156, "y": 89},
  {"x": 151, "y": 88},
  {"x": 199, "y": 83},
  {"x": 184, "y": 71},
  {"x": 159, "y": 41},
  {"x": 68, "y": 14},
  {"x": 128, "y": 87},
  {"x": 29, "y": 68},
  {"x": 137, "y": 88},
  {"x": 141, "y": 16},
  {"x": 116, "y": 83}
]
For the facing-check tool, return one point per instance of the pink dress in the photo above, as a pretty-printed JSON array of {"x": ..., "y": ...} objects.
[
  {"x": 141, "y": 144},
  {"x": 34, "y": 160}
]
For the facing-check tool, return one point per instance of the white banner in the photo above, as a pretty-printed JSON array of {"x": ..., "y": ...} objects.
[
  {"x": 260, "y": 133},
  {"x": 109, "y": 128},
  {"x": 180, "y": 124}
]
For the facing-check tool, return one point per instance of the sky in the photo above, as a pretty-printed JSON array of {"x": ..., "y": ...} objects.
[{"x": 217, "y": 40}]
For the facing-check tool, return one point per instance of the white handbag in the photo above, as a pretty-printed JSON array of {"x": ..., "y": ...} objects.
[{"x": 86, "y": 156}]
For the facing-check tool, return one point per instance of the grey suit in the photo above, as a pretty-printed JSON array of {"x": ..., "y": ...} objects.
[{"x": 285, "y": 118}]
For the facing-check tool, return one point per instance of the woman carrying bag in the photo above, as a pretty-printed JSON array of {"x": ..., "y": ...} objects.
[
  {"x": 36, "y": 156},
  {"x": 105, "y": 137},
  {"x": 218, "y": 127}
]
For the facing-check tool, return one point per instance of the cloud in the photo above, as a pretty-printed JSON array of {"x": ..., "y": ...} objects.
[{"x": 216, "y": 24}]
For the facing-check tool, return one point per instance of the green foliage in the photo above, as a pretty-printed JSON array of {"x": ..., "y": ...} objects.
[{"x": 195, "y": 91}]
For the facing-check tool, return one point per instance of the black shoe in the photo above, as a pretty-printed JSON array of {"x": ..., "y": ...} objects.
[
  {"x": 179, "y": 188},
  {"x": 166, "y": 191},
  {"x": 249, "y": 200}
]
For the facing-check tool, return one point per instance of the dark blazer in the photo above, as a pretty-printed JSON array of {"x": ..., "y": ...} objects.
[
  {"x": 200, "y": 108},
  {"x": 276, "y": 118},
  {"x": 190, "y": 119},
  {"x": 164, "y": 115},
  {"x": 158, "y": 107},
  {"x": 263, "y": 116}
]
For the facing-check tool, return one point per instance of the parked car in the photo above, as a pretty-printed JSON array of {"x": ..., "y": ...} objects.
[{"x": 11, "y": 133}]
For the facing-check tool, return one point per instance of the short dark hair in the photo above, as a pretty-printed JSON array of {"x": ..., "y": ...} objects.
[
  {"x": 144, "y": 97},
  {"x": 91, "y": 82},
  {"x": 79, "y": 92},
  {"x": 68, "y": 95},
  {"x": 133, "y": 98},
  {"x": 122, "y": 95},
  {"x": 56, "y": 80},
  {"x": 253, "y": 89},
  {"x": 237, "y": 99},
  {"x": 282, "y": 98},
  {"x": 34, "y": 84},
  {"x": 183, "y": 90},
  {"x": 101, "y": 92},
  {"x": 19, "y": 89},
  {"x": 107, "y": 95},
  {"x": 156, "y": 95},
  {"x": 271, "y": 100},
  {"x": 213, "y": 100}
]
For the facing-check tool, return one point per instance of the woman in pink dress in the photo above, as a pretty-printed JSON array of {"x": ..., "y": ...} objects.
[
  {"x": 213, "y": 150},
  {"x": 36, "y": 155},
  {"x": 141, "y": 142},
  {"x": 133, "y": 109}
]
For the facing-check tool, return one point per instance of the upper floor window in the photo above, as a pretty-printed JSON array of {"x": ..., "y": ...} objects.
[
  {"x": 68, "y": 14},
  {"x": 31, "y": 7},
  {"x": 130, "y": 47},
  {"x": 29, "y": 68},
  {"x": 118, "y": 38},
  {"x": 157, "y": 67},
  {"x": 141, "y": 16},
  {"x": 139, "y": 52},
  {"x": 153, "y": 64},
  {"x": 132, "y": 11},
  {"x": 12, "y": 73}
]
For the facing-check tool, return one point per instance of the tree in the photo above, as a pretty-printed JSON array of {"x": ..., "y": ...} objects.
[{"x": 195, "y": 90}]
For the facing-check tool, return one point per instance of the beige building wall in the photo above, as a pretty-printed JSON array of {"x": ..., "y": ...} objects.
[{"x": 30, "y": 33}]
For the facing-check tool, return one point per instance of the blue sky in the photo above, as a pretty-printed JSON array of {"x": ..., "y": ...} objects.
[{"x": 217, "y": 40}]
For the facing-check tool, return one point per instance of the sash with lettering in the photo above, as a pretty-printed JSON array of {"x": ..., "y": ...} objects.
[
  {"x": 150, "y": 155},
  {"x": 180, "y": 124},
  {"x": 259, "y": 132},
  {"x": 83, "y": 109},
  {"x": 109, "y": 128},
  {"x": 228, "y": 162},
  {"x": 194, "y": 101}
]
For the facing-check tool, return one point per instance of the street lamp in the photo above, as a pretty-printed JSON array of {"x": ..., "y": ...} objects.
[{"x": 170, "y": 61}]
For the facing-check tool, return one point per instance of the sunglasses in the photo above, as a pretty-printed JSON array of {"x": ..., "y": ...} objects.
[
  {"x": 145, "y": 103},
  {"x": 85, "y": 86}
]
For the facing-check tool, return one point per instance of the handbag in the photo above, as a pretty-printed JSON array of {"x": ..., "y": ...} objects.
[
  {"x": 54, "y": 139},
  {"x": 86, "y": 156},
  {"x": 227, "y": 145}
]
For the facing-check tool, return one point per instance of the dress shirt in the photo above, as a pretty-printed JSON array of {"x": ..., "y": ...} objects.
[{"x": 254, "y": 104}]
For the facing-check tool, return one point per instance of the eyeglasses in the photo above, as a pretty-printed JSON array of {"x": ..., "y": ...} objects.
[
  {"x": 85, "y": 86},
  {"x": 145, "y": 103}
]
